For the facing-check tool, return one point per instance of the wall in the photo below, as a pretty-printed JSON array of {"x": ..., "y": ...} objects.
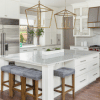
[{"x": 94, "y": 40}]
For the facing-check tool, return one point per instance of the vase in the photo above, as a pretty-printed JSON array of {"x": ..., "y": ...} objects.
[{"x": 38, "y": 40}]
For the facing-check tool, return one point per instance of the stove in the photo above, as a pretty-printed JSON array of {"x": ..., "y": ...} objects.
[{"x": 94, "y": 48}]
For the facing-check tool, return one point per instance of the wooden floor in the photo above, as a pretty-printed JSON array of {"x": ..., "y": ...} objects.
[{"x": 90, "y": 92}]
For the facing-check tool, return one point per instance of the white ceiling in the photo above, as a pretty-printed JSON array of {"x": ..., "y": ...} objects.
[{"x": 54, "y": 3}]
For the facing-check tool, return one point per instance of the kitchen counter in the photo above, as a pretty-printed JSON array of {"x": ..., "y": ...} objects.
[
  {"x": 85, "y": 63},
  {"x": 35, "y": 57},
  {"x": 35, "y": 46}
]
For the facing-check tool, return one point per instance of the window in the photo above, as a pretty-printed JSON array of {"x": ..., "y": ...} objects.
[{"x": 25, "y": 37}]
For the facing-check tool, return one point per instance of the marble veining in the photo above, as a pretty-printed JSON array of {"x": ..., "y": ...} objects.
[{"x": 36, "y": 58}]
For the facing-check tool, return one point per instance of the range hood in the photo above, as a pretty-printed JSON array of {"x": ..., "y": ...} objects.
[{"x": 94, "y": 17}]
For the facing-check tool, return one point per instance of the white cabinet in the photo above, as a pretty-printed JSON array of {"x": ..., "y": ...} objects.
[
  {"x": 79, "y": 48},
  {"x": 10, "y": 9},
  {"x": 81, "y": 27},
  {"x": 42, "y": 48},
  {"x": 86, "y": 70},
  {"x": 2, "y": 8}
]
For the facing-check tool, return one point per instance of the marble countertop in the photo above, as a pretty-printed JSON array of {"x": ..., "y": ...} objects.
[
  {"x": 35, "y": 46},
  {"x": 35, "y": 58}
]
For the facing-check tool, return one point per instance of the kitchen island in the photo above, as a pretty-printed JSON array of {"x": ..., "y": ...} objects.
[{"x": 85, "y": 63}]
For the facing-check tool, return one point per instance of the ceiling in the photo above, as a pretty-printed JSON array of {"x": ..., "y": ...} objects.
[{"x": 54, "y": 3}]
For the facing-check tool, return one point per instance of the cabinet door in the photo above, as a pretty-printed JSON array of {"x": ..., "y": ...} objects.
[
  {"x": 2, "y": 8},
  {"x": 77, "y": 27},
  {"x": 93, "y": 14},
  {"x": 12, "y": 9}
]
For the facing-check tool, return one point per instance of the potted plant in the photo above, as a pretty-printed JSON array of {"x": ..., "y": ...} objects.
[
  {"x": 39, "y": 32},
  {"x": 32, "y": 33}
]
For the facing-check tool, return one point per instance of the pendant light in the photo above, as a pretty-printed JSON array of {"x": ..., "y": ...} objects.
[
  {"x": 39, "y": 10},
  {"x": 64, "y": 16}
]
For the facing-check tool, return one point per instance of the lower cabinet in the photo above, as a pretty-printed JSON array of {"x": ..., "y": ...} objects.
[
  {"x": 44, "y": 48},
  {"x": 87, "y": 72},
  {"x": 79, "y": 48}
]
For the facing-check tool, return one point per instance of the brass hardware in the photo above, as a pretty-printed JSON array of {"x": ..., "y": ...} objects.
[
  {"x": 65, "y": 14},
  {"x": 39, "y": 9}
]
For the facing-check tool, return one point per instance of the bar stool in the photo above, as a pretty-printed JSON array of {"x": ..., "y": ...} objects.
[
  {"x": 63, "y": 72},
  {"x": 7, "y": 69},
  {"x": 17, "y": 71},
  {"x": 35, "y": 75}
]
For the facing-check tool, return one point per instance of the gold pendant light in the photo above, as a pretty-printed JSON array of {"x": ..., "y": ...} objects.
[
  {"x": 64, "y": 16},
  {"x": 38, "y": 10}
]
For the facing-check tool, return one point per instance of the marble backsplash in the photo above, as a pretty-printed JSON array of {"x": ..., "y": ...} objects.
[{"x": 94, "y": 40}]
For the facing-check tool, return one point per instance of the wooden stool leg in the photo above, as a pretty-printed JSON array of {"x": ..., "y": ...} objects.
[
  {"x": 9, "y": 84},
  {"x": 23, "y": 88},
  {"x": 2, "y": 76},
  {"x": 36, "y": 90},
  {"x": 73, "y": 84},
  {"x": 63, "y": 88},
  {"x": 34, "y": 87},
  {"x": 12, "y": 85}
]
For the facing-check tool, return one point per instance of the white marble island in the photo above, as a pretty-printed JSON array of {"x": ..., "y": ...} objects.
[{"x": 85, "y": 63}]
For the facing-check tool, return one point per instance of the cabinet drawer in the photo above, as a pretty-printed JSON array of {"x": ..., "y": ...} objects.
[
  {"x": 81, "y": 70},
  {"x": 84, "y": 49},
  {"x": 93, "y": 75},
  {"x": 74, "y": 48},
  {"x": 82, "y": 61},
  {"x": 95, "y": 56},
  {"x": 86, "y": 59},
  {"x": 33, "y": 49},
  {"x": 24, "y": 50},
  {"x": 93, "y": 65},
  {"x": 81, "y": 81}
]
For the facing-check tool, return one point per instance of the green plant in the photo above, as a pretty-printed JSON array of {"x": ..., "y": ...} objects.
[
  {"x": 39, "y": 32},
  {"x": 57, "y": 48},
  {"x": 48, "y": 50},
  {"x": 31, "y": 32},
  {"x": 21, "y": 38}
]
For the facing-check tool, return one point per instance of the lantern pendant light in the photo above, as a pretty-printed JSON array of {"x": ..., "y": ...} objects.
[
  {"x": 39, "y": 9},
  {"x": 65, "y": 17}
]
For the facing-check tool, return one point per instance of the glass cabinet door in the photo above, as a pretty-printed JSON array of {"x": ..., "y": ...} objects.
[
  {"x": 77, "y": 27},
  {"x": 85, "y": 11},
  {"x": 85, "y": 29},
  {"x": 77, "y": 11}
]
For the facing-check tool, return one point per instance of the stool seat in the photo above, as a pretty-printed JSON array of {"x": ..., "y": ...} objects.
[
  {"x": 18, "y": 70},
  {"x": 8, "y": 68},
  {"x": 63, "y": 72},
  {"x": 33, "y": 74}
]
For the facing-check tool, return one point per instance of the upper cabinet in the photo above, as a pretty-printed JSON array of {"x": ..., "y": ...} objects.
[
  {"x": 81, "y": 26},
  {"x": 2, "y": 8},
  {"x": 94, "y": 17},
  {"x": 10, "y": 9}
]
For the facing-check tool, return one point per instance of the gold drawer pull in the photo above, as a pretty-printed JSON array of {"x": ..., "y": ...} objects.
[
  {"x": 83, "y": 61},
  {"x": 95, "y": 74},
  {"x": 83, "y": 80},
  {"x": 82, "y": 69}
]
